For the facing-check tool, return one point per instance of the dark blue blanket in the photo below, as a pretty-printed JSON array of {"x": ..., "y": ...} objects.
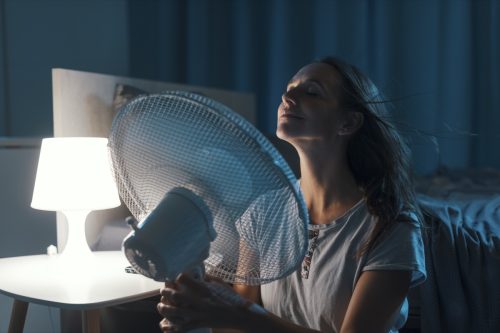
[{"x": 462, "y": 247}]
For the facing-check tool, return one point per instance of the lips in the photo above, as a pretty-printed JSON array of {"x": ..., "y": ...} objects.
[{"x": 289, "y": 115}]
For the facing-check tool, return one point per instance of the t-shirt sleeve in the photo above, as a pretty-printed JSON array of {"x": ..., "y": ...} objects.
[{"x": 401, "y": 249}]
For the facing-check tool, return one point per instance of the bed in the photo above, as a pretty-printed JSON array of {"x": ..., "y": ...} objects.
[{"x": 462, "y": 248}]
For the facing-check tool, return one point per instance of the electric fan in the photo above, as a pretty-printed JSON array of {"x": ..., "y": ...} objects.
[{"x": 208, "y": 189}]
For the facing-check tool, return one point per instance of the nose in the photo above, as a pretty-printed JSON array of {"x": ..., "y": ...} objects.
[{"x": 287, "y": 100}]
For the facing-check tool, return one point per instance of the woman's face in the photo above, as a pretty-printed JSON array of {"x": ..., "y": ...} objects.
[{"x": 310, "y": 107}]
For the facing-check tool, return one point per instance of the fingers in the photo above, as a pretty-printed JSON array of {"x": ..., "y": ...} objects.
[
  {"x": 188, "y": 303},
  {"x": 175, "y": 314},
  {"x": 178, "y": 319},
  {"x": 171, "y": 296},
  {"x": 194, "y": 286},
  {"x": 166, "y": 326},
  {"x": 184, "y": 290}
]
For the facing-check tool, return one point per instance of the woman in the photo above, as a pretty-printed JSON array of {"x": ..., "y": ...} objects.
[{"x": 365, "y": 244}]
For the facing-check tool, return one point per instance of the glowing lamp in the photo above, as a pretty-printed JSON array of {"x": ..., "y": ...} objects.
[{"x": 74, "y": 177}]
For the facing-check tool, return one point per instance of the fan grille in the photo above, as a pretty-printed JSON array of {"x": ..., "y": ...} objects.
[{"x": 180, "y": 139}]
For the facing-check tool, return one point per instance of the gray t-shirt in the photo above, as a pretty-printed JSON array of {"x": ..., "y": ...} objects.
[{"x": 318, "y": 294}]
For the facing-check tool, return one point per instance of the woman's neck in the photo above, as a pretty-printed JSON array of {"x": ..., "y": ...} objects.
[{"x": 328, "y": 186}]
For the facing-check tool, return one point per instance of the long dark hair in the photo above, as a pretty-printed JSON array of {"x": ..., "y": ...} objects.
[{"x": 378, "y": 156}]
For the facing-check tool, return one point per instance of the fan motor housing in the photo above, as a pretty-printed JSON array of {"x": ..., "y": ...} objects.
[{"x": 174, "y": 238}]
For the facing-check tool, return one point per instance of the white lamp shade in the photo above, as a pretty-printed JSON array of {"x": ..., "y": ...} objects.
[{"x": 74, "y": 174}]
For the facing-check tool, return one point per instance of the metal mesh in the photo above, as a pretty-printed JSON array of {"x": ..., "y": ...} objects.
[{"x": 180, "y": 139}]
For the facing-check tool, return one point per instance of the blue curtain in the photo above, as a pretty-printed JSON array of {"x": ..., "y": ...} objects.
[
  {"x": 4, "y": 116},
  {"x": 437, "y": 60}
]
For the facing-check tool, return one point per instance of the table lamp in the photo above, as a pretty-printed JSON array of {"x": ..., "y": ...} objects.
[{"x": 74, "y": 177}]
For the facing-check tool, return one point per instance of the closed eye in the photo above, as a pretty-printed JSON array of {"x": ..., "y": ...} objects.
[{"x": 311, "y": 90}]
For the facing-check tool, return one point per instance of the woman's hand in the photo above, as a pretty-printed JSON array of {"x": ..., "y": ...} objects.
[{"x": 188, "y": 304}]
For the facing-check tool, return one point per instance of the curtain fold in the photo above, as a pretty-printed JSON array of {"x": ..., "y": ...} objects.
[
  {"x": 437, "y": 61},
  {"x": 4, "y": 74}
]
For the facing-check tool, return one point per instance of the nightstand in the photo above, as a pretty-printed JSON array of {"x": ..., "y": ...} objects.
[{"x": 99, "y": 282}]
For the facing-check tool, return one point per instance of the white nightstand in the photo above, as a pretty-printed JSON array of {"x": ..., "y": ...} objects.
[{"x": 49, "y": 280}]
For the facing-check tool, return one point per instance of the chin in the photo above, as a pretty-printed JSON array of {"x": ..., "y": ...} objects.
[
  {"x": 281, "y": 133},
  {"x": 284, "y": 135}
]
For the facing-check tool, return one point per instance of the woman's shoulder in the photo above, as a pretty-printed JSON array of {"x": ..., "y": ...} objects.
[{"x": 409, "y": 215}]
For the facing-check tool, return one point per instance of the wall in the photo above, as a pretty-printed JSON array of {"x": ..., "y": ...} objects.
[
  {"x": 36, "y": 36},
  {"x": 25, "y": 231},
  {"x": 442, "y": 76}
]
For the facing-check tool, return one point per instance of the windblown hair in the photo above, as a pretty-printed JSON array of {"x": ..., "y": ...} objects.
[{"x": 378, "y": 156}]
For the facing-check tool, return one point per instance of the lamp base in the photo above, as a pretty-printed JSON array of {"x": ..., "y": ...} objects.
[{"x": 76, "y": 242}]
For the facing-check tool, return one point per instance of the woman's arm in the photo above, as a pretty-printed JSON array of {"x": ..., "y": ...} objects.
[
  {"x": 376, "y": 299},
  {"x": 189, "y": 304},
  {"x": 252, "y": 293}
]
